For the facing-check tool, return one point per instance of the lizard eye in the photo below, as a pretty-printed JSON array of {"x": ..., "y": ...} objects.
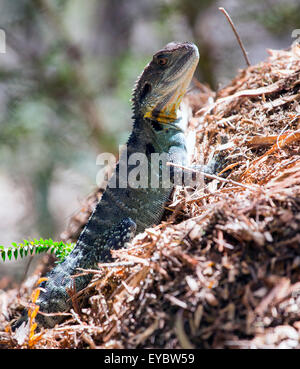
[{"x": 162, "y": 61}]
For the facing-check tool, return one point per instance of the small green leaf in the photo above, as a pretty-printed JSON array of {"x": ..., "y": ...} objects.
[{"x": 60, "y": 249}]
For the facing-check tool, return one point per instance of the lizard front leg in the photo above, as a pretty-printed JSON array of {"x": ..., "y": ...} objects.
[{"x": 191, "y": 175}]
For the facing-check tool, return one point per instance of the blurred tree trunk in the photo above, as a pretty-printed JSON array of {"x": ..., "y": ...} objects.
[
  {"x": 41, "y": 185},
  {"x": 192, "y": 9}
]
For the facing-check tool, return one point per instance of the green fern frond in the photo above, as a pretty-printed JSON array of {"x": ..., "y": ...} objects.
[{"x": 60, "y": 249}]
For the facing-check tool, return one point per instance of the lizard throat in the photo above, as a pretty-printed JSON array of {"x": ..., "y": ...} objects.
[{"x": 168, "y": 113}]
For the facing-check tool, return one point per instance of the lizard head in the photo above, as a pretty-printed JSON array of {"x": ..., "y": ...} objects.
[{"x": 160, "y": 88}]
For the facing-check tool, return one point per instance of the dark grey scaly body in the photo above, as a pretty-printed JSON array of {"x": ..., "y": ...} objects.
[
  {"x": 124, "y": 211},
  {"x": 131, "y": 208}
]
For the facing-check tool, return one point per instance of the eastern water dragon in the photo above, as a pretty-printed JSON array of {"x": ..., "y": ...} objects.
[{"x": 125, "y": 210}]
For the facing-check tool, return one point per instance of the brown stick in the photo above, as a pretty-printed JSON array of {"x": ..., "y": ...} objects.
[
  {"x": 236, "y": 35},
  {"x": 212, "y": 176}
]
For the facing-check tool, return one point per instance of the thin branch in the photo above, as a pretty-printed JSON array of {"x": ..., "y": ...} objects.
[
  {"x": 236, "y": 35},
  {"x": 212, "y": 176}
]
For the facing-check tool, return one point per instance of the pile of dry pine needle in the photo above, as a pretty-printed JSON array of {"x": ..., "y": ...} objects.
[{"x": 223, "y": 268}]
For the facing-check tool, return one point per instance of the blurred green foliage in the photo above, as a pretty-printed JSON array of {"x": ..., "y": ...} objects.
[{"x": 280, "y": 18}]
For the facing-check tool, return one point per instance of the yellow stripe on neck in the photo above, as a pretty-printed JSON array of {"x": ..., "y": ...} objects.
[
  {"x": 162, "y": 117},
  {"x": 169, "y": 114}
]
